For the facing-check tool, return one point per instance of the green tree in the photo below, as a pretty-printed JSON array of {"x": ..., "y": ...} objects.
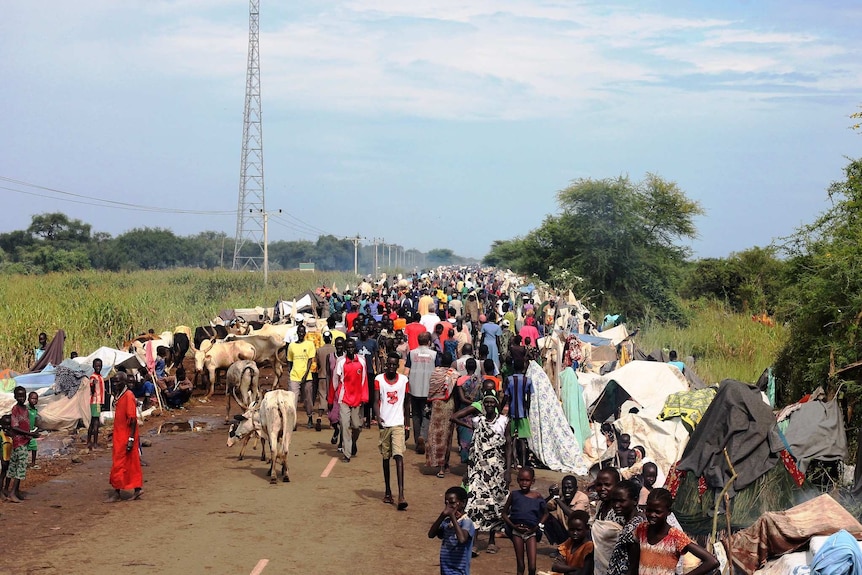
[
  {"x": 620, "y": 236},
  {"x": 440, "y": 257},
  {"x": 57, "y": 227},
  {"x": 823, "y": 299}
]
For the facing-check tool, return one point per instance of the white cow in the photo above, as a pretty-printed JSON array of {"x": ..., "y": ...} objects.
[
  {"x": 245, "y": 427},
  {"x": 220, "y": 355},
  {"x": 277, "y": 420},
  {"x": 242, "y": 384}
]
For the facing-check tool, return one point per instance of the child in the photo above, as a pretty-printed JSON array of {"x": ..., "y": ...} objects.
[
  {"x": 561, "y": 506},
  {"x": 6, "y": 439},
  {"x": 32, "y": 413},
  {"x": 659, "y": 546},
  {"x": 525, "y": 514},
  {"x": 20, "y": 428},
  {"x": 519, "y": 392},
  {"x": 97, "y": 398},
  {"x": 457, "y": 532},
  {"x": 390, "y": 410},
  {"x": 576, "y": 553},
  {"x": 649, "y": 474}
]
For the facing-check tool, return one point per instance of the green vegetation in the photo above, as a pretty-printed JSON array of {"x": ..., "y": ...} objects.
[
  {"x": 104, "y": 308},
  {"x": 55, "y": 243},
  {"x": 725, "y": 344},
  {"x": 616, "y": 236}
]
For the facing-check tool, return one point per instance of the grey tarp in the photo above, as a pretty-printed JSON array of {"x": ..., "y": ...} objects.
[
  {"x": 816, "y": 431},
  {"x": 740, "y": 421}
]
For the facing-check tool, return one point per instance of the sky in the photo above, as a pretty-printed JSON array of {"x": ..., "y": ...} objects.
[{"x": 446, "y": 124}]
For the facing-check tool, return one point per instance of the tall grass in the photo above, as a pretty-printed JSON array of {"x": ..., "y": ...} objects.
[
  {"x": 102, "y": 308},
  {"x": 725, "y": 344}
]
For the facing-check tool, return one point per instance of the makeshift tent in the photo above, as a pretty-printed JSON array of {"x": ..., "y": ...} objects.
[
  {"x": 306, "y": 302},
  {"x": 663, "y": 441},
  {"x": 647, "y": 383},
  {"x": 59, "y": 411},
  {"x": 694, "y": 381},
  {"x": 553, "y": 442},
  {"x": 777, "y": 533},
  {"x": 816, "y": 431},
  {"x": 739, "y": 421}
]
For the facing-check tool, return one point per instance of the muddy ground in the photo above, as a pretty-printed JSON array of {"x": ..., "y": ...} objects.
[{"x": 203, "y": 511}]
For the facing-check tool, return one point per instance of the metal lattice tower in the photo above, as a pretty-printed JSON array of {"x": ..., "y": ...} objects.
[{"x": 249, "y": 248}]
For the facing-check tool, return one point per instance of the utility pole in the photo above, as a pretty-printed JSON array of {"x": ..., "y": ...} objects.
[
  {"x": 355, "y": 241},
  {"x": 390, "y": 256},
  {"x": 265, "y": 215}
]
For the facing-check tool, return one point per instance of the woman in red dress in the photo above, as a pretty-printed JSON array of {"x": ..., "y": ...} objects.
[{"x": 126, "y": 472}]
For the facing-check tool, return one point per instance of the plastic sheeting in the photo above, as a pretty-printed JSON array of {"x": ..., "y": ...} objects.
[
  {"x": 663, "y": 441},
  {"x": 777, "y": 533},
  {"x": 60, "y": 412},
  {"x": 816, "y": 431},
  {"x": 647, "y": 382},
  {"x": 553, "y": 441}
]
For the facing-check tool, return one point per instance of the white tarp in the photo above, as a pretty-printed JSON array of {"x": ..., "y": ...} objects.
[
  {"x": 615, "y": 334},
  {"x": 648, "y": 382},
  {"x": 663, "y": 441}
]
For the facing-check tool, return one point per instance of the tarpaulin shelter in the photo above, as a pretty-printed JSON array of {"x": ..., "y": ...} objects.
[{"x": 647, "y": 383}]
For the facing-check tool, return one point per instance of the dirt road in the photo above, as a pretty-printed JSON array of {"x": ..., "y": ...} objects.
[{"x": 205, "y": 512}]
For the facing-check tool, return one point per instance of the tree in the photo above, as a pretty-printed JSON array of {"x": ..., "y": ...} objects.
[
  {"x": 440, "y": 257},
  {"x": 57, "y": 226},
  {"x": 823, "y": 300},
  {"x": 619, "y": 236}
]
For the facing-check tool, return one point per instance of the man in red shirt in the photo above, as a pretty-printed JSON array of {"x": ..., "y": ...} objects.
[
  {"x": 412, "y": 331},
  {"x": 351, "y": 381}
]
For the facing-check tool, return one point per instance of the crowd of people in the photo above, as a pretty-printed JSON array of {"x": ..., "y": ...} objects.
[
  {"x": 437, "y": 359},
  {"x": 444, "y": 357}
]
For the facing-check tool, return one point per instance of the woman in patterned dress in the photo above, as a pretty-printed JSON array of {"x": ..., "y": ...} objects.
[{"x": 490, "y": 462}]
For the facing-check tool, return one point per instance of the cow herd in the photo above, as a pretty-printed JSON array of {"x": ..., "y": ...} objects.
[{"x": 238, "y": 353}]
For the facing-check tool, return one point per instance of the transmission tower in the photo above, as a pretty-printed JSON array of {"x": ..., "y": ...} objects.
[{"x": 251, "y": 207}]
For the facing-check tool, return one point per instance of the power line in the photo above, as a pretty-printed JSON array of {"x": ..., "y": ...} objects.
[{"x": 103, "y": 202}]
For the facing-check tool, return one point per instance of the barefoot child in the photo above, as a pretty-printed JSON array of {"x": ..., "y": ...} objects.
[
  {"x": 6, "y": 439},
  {"x": 391, "y": 388},
  {"x": 525, "y": 514},
  {"x": 32, "y": 414},
  {"x": 21, "y": 435},
  {"x": 576, "y": 553},
  {"x": 97, "y": 398},
  {"x": 659, "y": 546},
  {"x": 457, "y": 532}
]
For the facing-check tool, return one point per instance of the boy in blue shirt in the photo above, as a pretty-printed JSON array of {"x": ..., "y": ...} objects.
[
  {"x": 519, "y": 392},
  {"x": 457, "y": 533}
]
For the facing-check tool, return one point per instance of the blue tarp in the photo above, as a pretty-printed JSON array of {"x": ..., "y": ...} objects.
[{"x": 595, "y": 340}]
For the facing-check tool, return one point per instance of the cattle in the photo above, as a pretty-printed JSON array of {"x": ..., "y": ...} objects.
[
  {"x": 245, "y": 427},
  {"x": 242, "y": 384},
  {"x": 277, "y": 420},
  {"x": 220, "y": 355},
  {"x": 208, "y": 332},
  {"x": 266, "y": 348}
]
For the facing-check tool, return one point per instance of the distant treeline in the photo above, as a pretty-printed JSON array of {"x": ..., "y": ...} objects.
[{"x": 55, "y": 243}]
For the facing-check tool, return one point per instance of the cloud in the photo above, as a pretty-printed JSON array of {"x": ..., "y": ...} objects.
[{"x": 505, "y": 59}]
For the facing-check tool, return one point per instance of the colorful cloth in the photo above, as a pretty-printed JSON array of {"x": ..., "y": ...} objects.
[
  {"x": 439, "y": 433},
  {"x": 572, "y": 396},
  {"x": 126, "y": 471},
  {"x": 661, "y": 558},
  {"x": 689, "y": 406},
  {"x": 619, "y": 562},
  {"x": 18, "y": 463},
  {"x": 20, "y": 422},
  {"x": 488, "y": 486}
]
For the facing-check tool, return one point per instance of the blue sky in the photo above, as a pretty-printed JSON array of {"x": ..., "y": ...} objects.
[{"x": 444, "y": 124}]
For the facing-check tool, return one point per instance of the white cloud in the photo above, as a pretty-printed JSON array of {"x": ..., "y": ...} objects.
[{"x": 455, "y": 59}]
